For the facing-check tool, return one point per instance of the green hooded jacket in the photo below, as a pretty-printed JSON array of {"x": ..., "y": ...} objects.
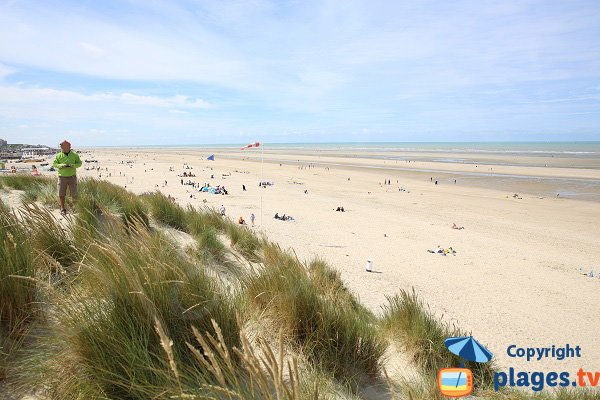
[{"x": 66, "y": 164}]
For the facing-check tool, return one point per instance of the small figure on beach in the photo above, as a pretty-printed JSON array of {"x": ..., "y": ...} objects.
[
  {"x": 454, "y": 226},
  {"x": 222, "y": 210},
  {"x": 252, "y": 217},
  {"x": 35, "y": 171},
  {"x": 243, "y": 188},
  {"x": 241, "y": 221}
]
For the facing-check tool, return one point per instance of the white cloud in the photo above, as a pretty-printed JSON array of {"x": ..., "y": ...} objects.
[
  {"x": 94, "y": 52},
  {"x": 6, "y": 70},
  {"x": 32, "y": 96}
]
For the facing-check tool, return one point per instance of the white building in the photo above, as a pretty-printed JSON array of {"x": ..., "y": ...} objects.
[{"x": 34, "y": 152}]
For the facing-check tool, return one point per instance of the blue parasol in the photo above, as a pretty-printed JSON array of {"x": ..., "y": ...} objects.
[{"x": 468, "y": 348}]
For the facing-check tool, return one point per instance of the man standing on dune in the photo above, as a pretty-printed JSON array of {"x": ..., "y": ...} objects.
[{"x": 66, "y": 162}]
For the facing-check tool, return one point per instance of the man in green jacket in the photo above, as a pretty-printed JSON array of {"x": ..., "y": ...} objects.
[{"x": 66, "y": 162}]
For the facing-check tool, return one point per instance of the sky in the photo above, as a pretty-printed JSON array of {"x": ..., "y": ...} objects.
[{"x": 154, "y": 72}]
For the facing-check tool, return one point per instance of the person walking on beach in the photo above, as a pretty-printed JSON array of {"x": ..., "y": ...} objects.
[
  {"x": 252, "y": 218},
  {"x": 66, "y": 162}
]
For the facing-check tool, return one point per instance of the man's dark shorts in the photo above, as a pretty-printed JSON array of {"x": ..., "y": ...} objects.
[{"x": 67, "y": 181}]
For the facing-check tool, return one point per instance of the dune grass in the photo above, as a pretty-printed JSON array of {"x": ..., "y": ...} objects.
[
  {"x": 205, "y": 226},
  {"x": 129, "y": 280},
  {"x": 333, "y": 336},
  {"x": 142, "y": 318},
  {"x": 329, "y": 283},
  {"x": 17, "y": 288},
  {"x": 244, "y": 240},
  {"x": 209, "y": 247},
  {"x": 48, "y": 238},
  {"x": 166, "y": 211},
  {"x": 408, "y": 321},
  {"x": 17, "y": 268},
  {"x": 35, "y": 188},
  {"x": 25, "y": 181},
  {"x": 97, "y": 197}
]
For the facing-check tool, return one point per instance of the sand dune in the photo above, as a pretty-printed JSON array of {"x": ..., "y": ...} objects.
[{"x": 514, "y": 278}]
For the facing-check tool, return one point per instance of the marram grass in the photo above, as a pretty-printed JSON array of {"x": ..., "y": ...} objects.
[
  {"x": 334, "y": 337},
  {"x": 141, "y": 318}
]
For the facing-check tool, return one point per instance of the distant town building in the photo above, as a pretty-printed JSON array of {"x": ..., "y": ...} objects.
[
  {"x": 25, "y": 152},
  {"x": 35, "y": 152}
]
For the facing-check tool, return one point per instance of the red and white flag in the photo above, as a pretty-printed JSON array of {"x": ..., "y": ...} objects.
[{"x": 250, "y": 145}]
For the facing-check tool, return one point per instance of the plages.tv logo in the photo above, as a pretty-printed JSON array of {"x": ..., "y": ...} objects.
[
  {"x": 455, "y": 382},
  {"x": 458, "y": 382}
]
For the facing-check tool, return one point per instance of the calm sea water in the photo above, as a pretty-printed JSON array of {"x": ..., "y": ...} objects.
[{"x": 573, "y": 148}]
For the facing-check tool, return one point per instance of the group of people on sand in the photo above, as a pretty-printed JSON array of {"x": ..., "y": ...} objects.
[
  {"x": 214, "y": 190},
  {"x": 190, "y": 183},
  {"x": 441, "y": 251},
  {"x": 283, "y": 217},
  {"x": 188, "y": 174},
  {"x": 445, "y": 251},
  {"x": 241, "y": 220},
  {"x": 590, "y": 274},
  {"x": 340, "y": 209}
]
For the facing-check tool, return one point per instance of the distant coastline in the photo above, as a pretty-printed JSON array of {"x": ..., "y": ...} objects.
[{"x": 560, "y": 147}]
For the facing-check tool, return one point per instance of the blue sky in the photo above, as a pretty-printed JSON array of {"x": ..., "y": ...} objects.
[{"x": 189, "y": 72}]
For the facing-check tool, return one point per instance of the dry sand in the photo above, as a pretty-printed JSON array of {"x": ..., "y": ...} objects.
[{"x": 514, "y": 279}]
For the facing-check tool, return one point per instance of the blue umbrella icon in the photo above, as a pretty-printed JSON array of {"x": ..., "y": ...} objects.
[{"x": 468, "y": 348}]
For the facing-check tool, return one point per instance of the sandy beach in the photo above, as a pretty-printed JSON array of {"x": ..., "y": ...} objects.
[{"x": 514, "y": 278}]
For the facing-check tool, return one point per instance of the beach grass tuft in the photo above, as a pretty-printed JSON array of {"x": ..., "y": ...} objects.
[
  {"x": 333, "y": 336},
  {"x": 166, "y": 211},
  {"x": 18, "y": 290},
  {"x": 409, "y": 322}
]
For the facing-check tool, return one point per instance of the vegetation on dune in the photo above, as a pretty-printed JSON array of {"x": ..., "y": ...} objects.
[
  {"x": 128, "y": 282},
  {"x": 25, "y": 181},
  {"x": 244, "y": 240},
  {"x": 97, "y": 197},
  {"x": 165, "y": 211},
  {"x": 49, "y": 238},
  {"x": 17, "y": 288},
  {"x": 334, "y": 337},
  {"x": 112, "y": 308},
  {"x": 17, "y": 270},
  {"x": 408, "y": 321}
]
